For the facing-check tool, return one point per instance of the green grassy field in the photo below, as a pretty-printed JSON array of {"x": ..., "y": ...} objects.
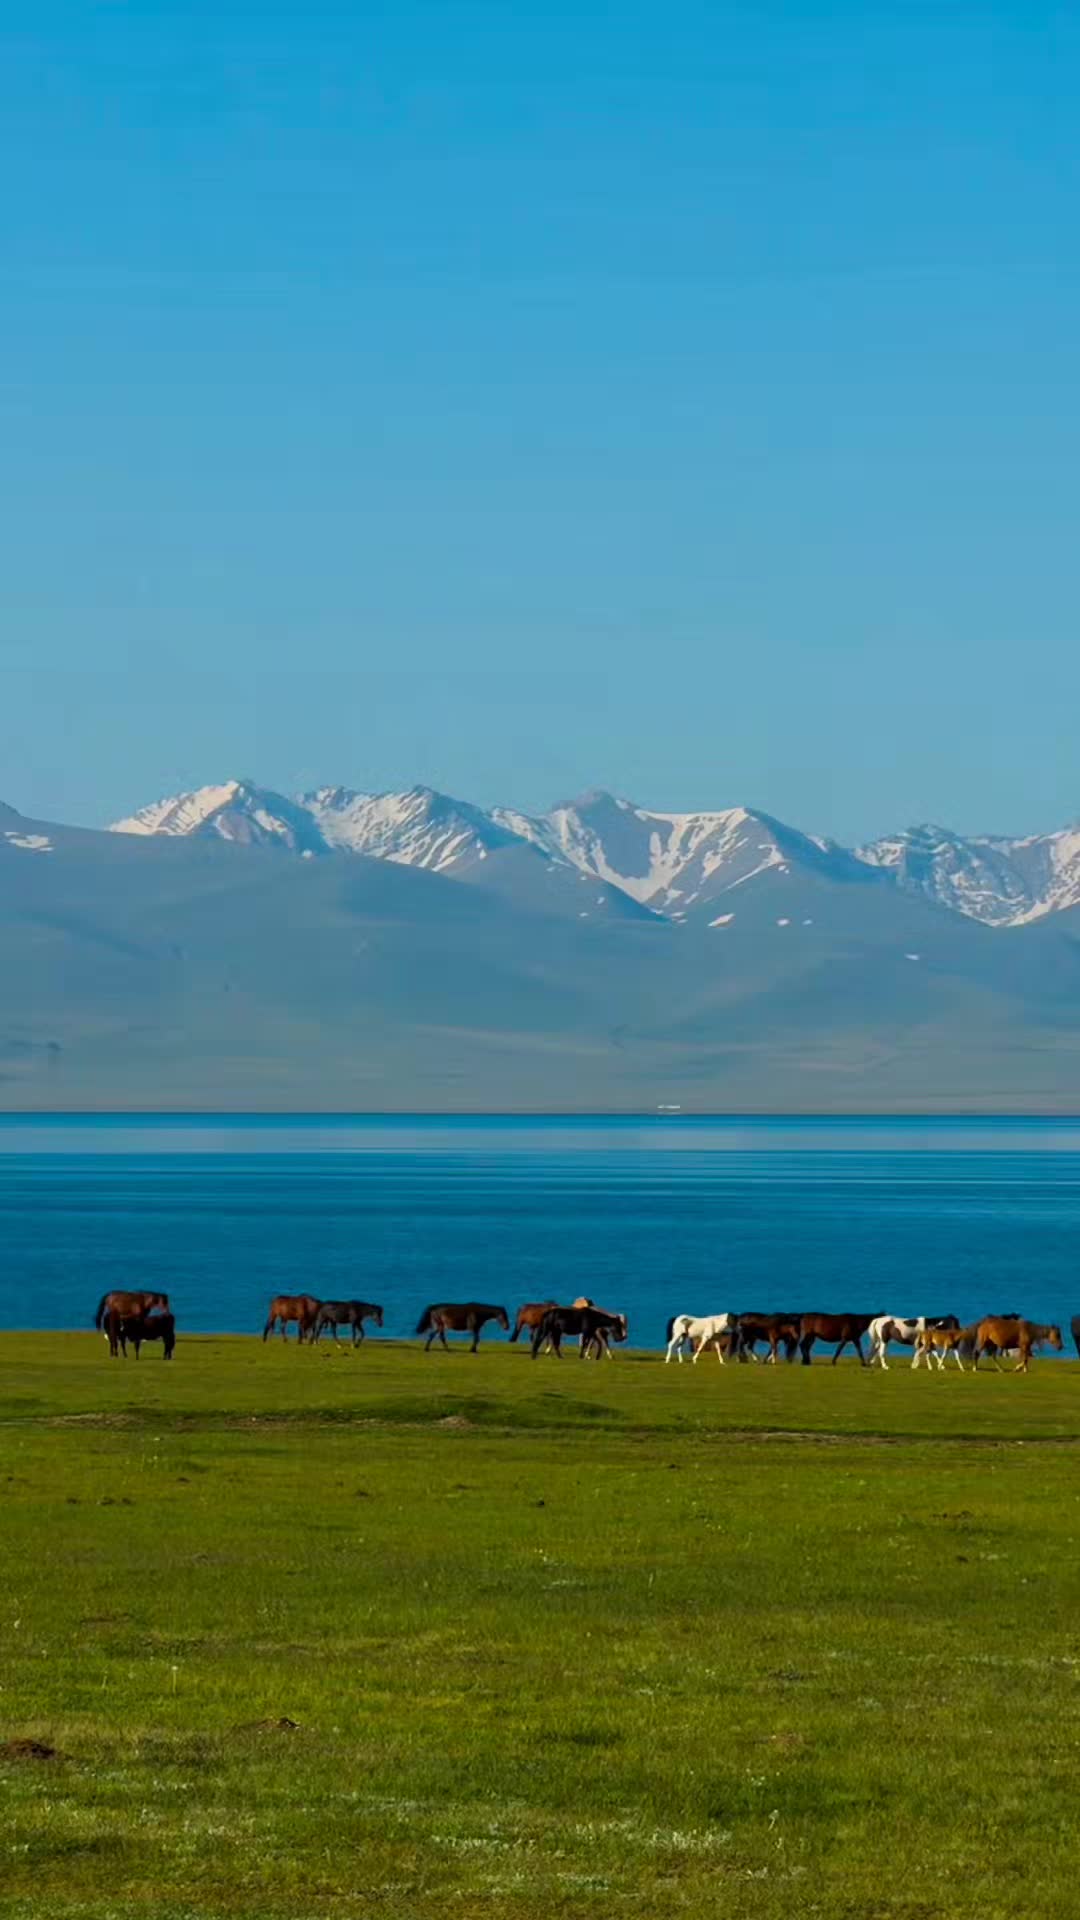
[{"x": 554, "y": 1639}]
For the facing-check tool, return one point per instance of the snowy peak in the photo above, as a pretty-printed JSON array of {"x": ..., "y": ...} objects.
[
  {"x": 419, "y": 828},
  {"x": 676, "y": 863},
  {"x": 1003, "y": 882},
  {"x": 238, "y": 810}
]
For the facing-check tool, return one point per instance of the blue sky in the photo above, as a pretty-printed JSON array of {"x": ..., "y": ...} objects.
[{"x": 681, "y": 399}]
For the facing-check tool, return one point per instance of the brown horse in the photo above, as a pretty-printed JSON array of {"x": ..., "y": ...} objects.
[
  {"x": 530, "y": 1316},
  {"x": 999, "y": 1336},
  {"x": 301, "y": 1307},
  {"x": 129, "y": 1303},
  {"x": 466, "y": 1316},
  {"x": 346, "y": 1313},
  {"x": 779, "y": 1329},
  {"x": 137, "y": 1327},
  {"x": 846, "y": 1329}
]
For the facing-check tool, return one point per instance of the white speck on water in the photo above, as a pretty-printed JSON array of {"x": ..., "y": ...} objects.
[
  {"x": 783, "y": 923},
  {"x": 913, "y": 956},
  {"x": 722, "y": 920}
]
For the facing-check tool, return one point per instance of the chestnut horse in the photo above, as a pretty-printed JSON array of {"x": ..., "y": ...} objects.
[
  {"x": 466, "y": 1316},
  {"x": 938, "y": 1342},
  {"x": 531, "y": 1315},
  {"x": 846, "y": 1329},
  {"x": 346, "y": 1313},
  {"x": 998, "y": 1336},
  {"x": 137, "y": 1327},
  {"x": 301, "y": 1307},
  {"x": 129, "y": 1303}
]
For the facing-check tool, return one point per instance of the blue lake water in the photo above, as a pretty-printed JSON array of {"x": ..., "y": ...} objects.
[{"x": 650, "y": 1216}]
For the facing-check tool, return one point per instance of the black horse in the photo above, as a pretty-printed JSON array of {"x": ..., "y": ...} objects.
[
  {"x": 595, "y": 1327},
  {"x": 1075, "y": 1325},
  {"x": 467, "y": 1316},
  {"x": 346, "y": 1313}
]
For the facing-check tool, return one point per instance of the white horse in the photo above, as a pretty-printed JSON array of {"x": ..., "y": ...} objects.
[
  {"x": 687, "y": 1330},
  {"x": 889, "y": 1326}
]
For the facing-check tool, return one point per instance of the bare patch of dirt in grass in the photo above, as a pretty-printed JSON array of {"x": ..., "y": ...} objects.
[{"x": 28, "y": 1750}]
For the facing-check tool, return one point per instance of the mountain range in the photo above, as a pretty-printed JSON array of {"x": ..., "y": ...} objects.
[
  {"x": 237, "y": 948},
  {"x": 677, "y": 864}
]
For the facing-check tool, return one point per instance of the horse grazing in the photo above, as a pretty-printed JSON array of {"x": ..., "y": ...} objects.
[
  {"x": 128, "y": 1303},
  {"x": 779, "y": 1329},
  {"x": 459, "y": 1317},
  {"x": 846, "y": 1329},
  {"x": 137, "y": 1327},
  {"x": 685, "y": 1330},
  {"x": 301, "y": 1307},
  {"x": 346, "y": 1313},
  {"x": 903, "y": 1333},
  {"x": 592, "y": 1324},
  {"x": 934, "y": 1342},
  {"x": 531, "y": 1315},
  {"x": 996, "y": 1337}
]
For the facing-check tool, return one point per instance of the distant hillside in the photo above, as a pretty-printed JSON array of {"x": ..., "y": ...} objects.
[{"x": 231, "y": 949}]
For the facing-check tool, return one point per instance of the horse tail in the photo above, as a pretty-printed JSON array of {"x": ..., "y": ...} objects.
[
  {"x": 670, "y": 1328},
  {"x": 424, "y": 1323},
  {"x": 100, "y": 1314}
]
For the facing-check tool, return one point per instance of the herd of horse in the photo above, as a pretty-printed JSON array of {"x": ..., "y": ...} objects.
[
  {"x": 737, "y": 1336},
  {"x": 132, "y": 1318}
]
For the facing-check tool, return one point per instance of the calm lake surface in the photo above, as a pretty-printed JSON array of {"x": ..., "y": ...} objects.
[{"x": 652, "y": 1216}]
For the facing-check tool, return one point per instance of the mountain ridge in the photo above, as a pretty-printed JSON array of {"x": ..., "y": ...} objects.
[{"x": 676, "y": 864}]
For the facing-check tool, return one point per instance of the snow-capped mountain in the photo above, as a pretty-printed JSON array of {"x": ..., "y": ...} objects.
[
  {"x": 678, "y": 865},
  {"x": 1003, "y": 882},
  {"x": 238, "y": 810},
  {"x": 419, "y": 828}
]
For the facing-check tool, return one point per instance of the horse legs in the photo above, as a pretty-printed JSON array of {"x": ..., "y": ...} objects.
[
  {"x": 358, "y": 1334},
  {"x": 430, "y": 1338},
  {"x": 805, "y": 1345},
  {"x": 858, "y": 1346},
  {"x": 268, "y": 1329},
  {"x": 475, "y": 1338}
]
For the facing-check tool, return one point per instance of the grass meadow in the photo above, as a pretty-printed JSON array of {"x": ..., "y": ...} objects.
[{"x": 322, "y": 1633}]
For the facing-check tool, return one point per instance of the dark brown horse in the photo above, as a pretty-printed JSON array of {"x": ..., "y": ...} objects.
[
  {"x": 530, "y": 1316},
  {"x": 120, "y": 1328},
  {"x": 129, "y": 1303},
  {"x": 346, "y": 1313},
  {"x": 594, "y": 1327},
  {"x": 779, "y": 1329},
  {"x": 301, "y": 1307},
  {"x": 996, "y": 1336},
  {"x": 846, "y": 1329},
  {"x": 466, "y": 1316}
]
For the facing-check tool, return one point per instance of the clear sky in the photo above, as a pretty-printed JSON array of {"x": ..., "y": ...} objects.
[{"x": 681, "y": 398}]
